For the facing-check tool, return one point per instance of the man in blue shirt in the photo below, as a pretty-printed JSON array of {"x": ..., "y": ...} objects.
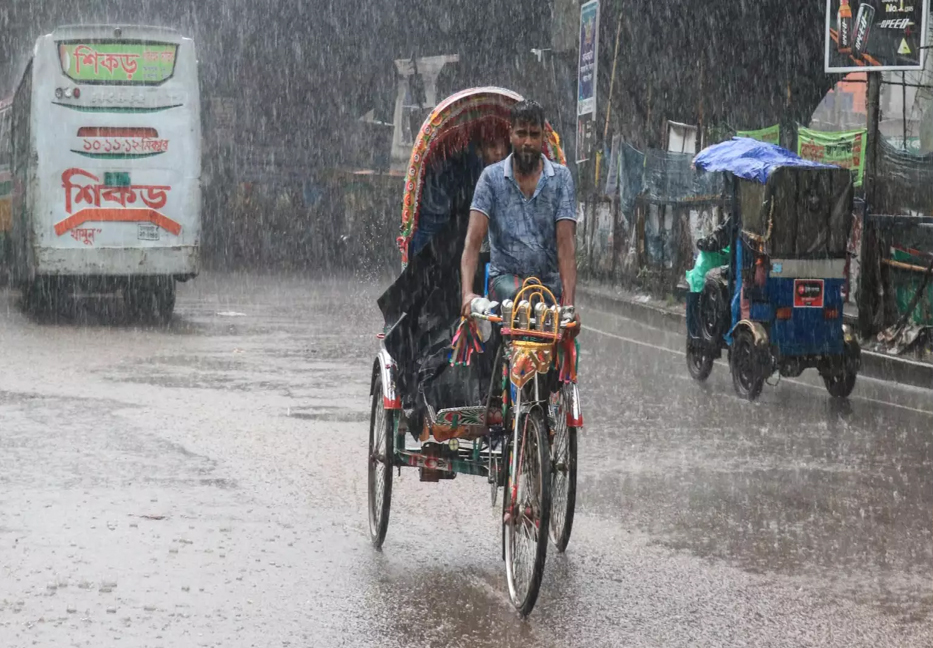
[{"x": 526, "y": 204}]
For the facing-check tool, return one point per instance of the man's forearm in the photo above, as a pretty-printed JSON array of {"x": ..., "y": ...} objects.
[
  {"x": 568, "y": 279},
  {"x": 567, "y": 260},
  {"x": 468, "y": 262}
]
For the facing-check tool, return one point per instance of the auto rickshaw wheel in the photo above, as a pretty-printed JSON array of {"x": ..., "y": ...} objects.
[
  {"x": 699, "y": 362},
  {"x": 840, "y": 384},
  {"x": 747, "y": 365}
]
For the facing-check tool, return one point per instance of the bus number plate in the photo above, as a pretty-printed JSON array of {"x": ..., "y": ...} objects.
[{"x": 148, "y": 232}]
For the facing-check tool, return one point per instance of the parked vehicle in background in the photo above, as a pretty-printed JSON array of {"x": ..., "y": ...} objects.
[
  {"x": 106, "y": 163},
  {"x": 6, "y": 189},
  {"x": 777, "y": 306}
]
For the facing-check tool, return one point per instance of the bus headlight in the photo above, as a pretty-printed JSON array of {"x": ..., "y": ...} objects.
[
  {"x": 68, "y": 93},
  {"x": 59, "y": 93}
]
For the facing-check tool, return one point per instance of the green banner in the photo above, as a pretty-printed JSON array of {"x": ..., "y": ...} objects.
[
  {"x": 771, "y": 134},
  {"x": 846, "y": 149},
  {"x": 118, "y": 62}
]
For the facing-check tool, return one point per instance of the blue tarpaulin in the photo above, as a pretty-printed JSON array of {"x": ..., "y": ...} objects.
[{"x": 750, "y": 159}]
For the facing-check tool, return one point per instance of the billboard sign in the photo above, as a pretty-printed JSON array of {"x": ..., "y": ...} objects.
[
  {"x": 586, "y": 78},
  {"x": 874, "y": 35}
]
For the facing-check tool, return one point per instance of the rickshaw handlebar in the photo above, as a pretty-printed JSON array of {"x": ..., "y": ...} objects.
[{"x": 496, "y": 319}]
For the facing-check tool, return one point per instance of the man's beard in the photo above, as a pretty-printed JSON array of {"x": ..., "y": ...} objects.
[{"x": 526, "y": 162}]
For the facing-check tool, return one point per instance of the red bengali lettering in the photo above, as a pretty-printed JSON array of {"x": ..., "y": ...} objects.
[
  {"x": 86, "y": 193},
  {"x": 87, "y": 56},
  {"x": 121, "y": 195},
  {"x": 129, "y": 65},
  {"x": 154, "y": 196},
  {"x": 109, "y": 62}
]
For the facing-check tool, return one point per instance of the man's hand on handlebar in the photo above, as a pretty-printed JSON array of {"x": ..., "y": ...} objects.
[
  {"x": 575, "y": 330},
  {"x": 465, "y": 305}
]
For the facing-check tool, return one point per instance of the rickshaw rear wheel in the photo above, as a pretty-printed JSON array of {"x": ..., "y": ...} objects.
[
  {"x": 527, "y": 520},
  {"x": 381, "y": 455},
  {"x": 840, "y": 384},
  {"x": 746, "y": 363},
  {"x": 699, "y": 362},
  {"x": 564, "y": 473}
]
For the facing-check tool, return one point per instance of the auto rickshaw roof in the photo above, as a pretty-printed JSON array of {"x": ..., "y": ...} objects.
[{"x": 750, "y": 159}]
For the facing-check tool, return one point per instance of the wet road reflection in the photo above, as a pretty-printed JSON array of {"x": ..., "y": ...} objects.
[{"x": 215, "y": 472}]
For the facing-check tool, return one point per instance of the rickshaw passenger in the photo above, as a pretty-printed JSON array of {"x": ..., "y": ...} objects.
[
  {"x": 450, "y": 177},
  {"x": 526, "y": 204}
]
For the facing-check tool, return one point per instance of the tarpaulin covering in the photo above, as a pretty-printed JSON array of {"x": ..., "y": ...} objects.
[
  {"x": 750, "y": 159},
  {"x": 671, "y": 177},
  {"x": 905, "y": 181},
  {"x": 422, "y": 310},
  {"x": 631, "y": 176}
]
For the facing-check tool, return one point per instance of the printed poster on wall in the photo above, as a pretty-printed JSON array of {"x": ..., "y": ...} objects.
[
  {"x": 874, "y": 35},
  {"x": 586, "y": 78},
  {"x": 846, "y": 149}
]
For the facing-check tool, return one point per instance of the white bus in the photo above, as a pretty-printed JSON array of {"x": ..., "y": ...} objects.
[
  {"x": 106, "y": 164},
  {"x": 6, "y": 189}
]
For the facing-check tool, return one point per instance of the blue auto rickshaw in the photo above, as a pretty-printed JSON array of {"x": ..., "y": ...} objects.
[{"x": 777, "y": 305}]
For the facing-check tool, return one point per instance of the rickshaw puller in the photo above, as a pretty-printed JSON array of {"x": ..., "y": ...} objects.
[{"x": 526, "y": 204}]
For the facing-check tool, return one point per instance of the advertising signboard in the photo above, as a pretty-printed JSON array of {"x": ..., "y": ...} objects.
[
  {"x": 874, "y": 35},
  {"x": 587, "y": 79}
]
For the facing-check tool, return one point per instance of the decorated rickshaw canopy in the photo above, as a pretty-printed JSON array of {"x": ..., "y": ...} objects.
[{"x": 449, "y": 128}]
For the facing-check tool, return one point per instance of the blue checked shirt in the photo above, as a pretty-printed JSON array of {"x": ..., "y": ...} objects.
[{"x": 523, "y": 232}]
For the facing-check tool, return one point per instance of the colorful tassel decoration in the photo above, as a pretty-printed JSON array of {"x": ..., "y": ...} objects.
[{"x": 465, "y": 343}]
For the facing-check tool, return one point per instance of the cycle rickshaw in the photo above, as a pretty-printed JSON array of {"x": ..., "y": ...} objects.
[
  {"x": 777, "y": 305},
  {"x": 518, "y": 428}
]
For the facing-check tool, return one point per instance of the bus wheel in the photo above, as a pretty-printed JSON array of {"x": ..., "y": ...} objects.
[
  {"x": 164, "y": 299},
  {"x": 150, "y": 301}
]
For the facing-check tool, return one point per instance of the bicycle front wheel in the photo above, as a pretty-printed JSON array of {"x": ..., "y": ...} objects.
[
  {"x": 563, "y": 472},
  {"x": 527, "y": 512}
]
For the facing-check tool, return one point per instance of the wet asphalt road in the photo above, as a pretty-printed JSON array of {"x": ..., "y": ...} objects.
[{"x": 205, "y": 485}]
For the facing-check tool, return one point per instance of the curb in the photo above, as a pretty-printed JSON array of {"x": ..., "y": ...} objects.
[{"x": 874, "y": 365}]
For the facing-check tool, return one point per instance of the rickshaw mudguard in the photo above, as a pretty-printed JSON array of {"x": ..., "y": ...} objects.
[
  {"x": 574, "y": 412},
  {"x": 386, "y": 367},
  {"x": 758, "y": 331}
]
